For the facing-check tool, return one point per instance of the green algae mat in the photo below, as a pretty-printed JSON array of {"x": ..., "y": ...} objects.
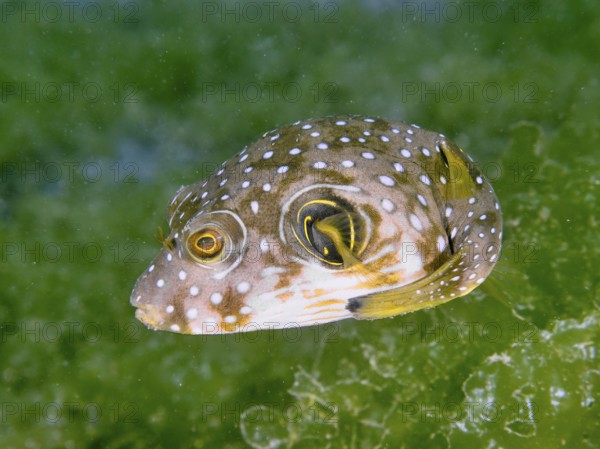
[{"x": 107, "y": 108}]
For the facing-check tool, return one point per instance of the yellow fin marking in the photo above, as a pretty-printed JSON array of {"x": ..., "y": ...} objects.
[
  {"x": 411, "y": 297},
  {"x": 460, "y": 184}
]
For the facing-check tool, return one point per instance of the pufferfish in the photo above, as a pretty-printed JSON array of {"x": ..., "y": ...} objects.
[{"x": 322, "y": 220}]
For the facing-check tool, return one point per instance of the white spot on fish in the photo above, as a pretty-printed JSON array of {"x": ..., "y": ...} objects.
[
  {"x": 243, "y": 287},
  {"x": 386, "y": 181},
  {"x": 415, "y": 222},
  {"x": 441, "y": 243},
  {"x": 216, "y": 298},
  {"x": 387, "y": 205}
]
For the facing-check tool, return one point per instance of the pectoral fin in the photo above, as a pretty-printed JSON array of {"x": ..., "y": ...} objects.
[{"x": 420, "y": 294}]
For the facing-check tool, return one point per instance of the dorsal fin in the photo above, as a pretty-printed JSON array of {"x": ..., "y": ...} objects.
[{"x": 460, "y": 183}]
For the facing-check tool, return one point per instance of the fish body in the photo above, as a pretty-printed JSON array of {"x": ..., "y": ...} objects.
[{"x": 322, "y": 220}]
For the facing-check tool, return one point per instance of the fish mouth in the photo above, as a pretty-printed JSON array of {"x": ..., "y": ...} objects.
[
  {"x": 145, "y": 313},
  {"x": 149, "y": 316}
]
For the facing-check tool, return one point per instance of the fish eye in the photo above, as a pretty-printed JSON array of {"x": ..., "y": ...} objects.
[
  {"x": 206, "y": 244},
  {"x": 215, "y": 240}
]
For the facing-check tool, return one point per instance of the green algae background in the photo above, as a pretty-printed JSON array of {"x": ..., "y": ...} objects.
[{"x": 107, "y": 108}]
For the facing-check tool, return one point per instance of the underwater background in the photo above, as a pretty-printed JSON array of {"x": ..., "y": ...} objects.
[{"x": 106, "y": 108}]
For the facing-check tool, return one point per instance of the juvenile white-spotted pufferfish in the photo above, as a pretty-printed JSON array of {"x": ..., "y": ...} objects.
[{"x": 322, "y": 220}]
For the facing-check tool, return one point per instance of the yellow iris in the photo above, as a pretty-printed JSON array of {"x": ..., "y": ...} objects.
[{"x": 206, "y": 244}]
